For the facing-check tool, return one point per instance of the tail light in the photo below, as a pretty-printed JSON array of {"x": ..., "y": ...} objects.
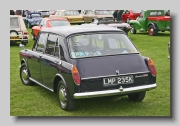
[
  {"x": 151, "y": 67},
  {"x": 75, "y": 75},
  {"x": 25, "y": 35}
]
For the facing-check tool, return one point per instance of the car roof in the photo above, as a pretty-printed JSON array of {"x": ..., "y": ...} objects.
[
  {"x": 15, "y": 16},
  {"x": 70, "y": 30}
]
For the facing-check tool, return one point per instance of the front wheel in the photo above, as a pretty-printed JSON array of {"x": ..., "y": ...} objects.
[
  {"x": 66, "y": 103},
  {"x": 137, "y": 97},
  {"x": 133, "y": 30},
  {"x": 24, "y": 75}
]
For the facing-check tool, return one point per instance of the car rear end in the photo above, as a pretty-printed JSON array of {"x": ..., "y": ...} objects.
[
  {"x": 108, "y": 64},
  {"x": 18, "y": 31}
]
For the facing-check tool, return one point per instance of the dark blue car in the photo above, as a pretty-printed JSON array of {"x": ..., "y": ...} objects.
[{"x": 32, "y": 19}]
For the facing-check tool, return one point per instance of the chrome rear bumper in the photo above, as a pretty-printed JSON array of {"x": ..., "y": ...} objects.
[{"x": 119, "y": 91}]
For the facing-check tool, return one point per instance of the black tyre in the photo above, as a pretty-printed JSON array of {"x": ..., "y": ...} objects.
[
  {"x": 137, "y": 97},
  {"x": 66, "y": 103},
  {"x": 151, "y": 30},
  {"x": 133, "y": 30},
  {"x": 24, "y": 75}
]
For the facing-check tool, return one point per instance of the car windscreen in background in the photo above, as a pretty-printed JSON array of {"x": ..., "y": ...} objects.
[
  {"x": 55, "y": 23},
  {"x": 14, "y": 23},
  {"x": 93, "y": 45}
]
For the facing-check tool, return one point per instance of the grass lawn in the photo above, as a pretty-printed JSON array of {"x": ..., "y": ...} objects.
[{"x": 37, "y": 101}]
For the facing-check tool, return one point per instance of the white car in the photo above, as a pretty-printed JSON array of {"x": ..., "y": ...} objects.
[{"x": 18, "y": 31}]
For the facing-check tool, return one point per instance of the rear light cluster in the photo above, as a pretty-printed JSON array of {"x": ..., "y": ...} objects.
[
  {"x": 75, "y": 75},
  {"x": 25, "y": 35},
  {"x": 151, "y": 66}
]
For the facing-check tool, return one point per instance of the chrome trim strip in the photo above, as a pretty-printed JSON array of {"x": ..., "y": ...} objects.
[
  {"x": 119, "y": 91},
  {"x": 114, "y": 75},
  {"x": 40, "y": 84}
]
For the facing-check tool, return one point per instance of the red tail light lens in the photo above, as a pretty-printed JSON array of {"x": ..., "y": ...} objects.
[
  {"x": 151, "y": 67},
  {"x": 25, "y": 35},
  {"x": 75, "y": 75}
]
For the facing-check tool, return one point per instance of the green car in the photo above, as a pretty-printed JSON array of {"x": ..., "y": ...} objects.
[{"x": 152, "y": 21}]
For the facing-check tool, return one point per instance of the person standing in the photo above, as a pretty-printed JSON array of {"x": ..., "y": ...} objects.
[
  {"x": 115, "y": 14},
  {"x": 119, "y": 14}
]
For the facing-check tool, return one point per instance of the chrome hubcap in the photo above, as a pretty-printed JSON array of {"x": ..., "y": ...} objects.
[
  {"x": 25, "y": 75},
  {"x": 62, "y": 95}
]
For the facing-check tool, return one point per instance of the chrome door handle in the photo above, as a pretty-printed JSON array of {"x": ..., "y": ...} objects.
[
  {"x": 58, "y": 62},
  {"x": 40, "y": 55}
]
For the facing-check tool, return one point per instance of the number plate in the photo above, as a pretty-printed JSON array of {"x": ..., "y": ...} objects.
[
  {"x": 118, "y": 80},
  {"x": 14, "y": 37}
]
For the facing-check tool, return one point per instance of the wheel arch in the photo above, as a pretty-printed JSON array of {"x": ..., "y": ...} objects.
[
  {"x": 24, "y": 61},
  {"x": 136, "y": 24},
  {"x": 57, "y": 78},
  {"x": 154, "y": 25}
]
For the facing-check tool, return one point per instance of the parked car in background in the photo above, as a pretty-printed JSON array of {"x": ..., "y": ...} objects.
[
  {"x": 110, "y": 22},
  {"x": 44, "y": 13},
  {"x": 18, "y": 31},
  {"x": 47, "y": 23},
  {"x": 169, "y": 50},
  {"x": 90, "y": 15},
  {"x": 152, "y": 21},
  {"x": 52, "y": 12},
  {"x": 32, "y": 19},
  {"x": 130, "y": 15},
  {"x": 76, "y": 63},
  {"x": 72, "y": 16}
]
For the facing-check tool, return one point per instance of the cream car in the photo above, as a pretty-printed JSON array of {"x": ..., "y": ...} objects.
[
  {"x": 72, "y": 16},
  {"x": 18, "y": 31}
]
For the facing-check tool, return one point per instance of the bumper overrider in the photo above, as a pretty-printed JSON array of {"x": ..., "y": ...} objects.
[{"x": 119, "y": 91}]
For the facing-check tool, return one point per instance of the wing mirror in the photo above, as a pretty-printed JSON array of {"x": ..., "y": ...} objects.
[{"x": 21, "y": 46}]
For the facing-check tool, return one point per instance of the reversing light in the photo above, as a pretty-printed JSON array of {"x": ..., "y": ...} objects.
[
  {"x": 75, "y": 75},
  {"x": 151, "y": 67}
]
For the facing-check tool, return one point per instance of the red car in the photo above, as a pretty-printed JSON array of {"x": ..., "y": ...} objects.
[
  {"x": 47, "y": 23},
  {"x": 130, "y": 15}
]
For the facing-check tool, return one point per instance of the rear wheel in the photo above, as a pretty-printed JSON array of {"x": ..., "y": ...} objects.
[
  {"x": 66, "y": 103},
  {"x": 137, "y": 97},
  {"x": 151, "y": 30},
  {"x": 133, "y": 30}
]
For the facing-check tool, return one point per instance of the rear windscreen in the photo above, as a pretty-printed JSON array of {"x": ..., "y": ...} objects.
[
  {"x": 14, "y": 23},
  {"x": 92, "y": 45}
]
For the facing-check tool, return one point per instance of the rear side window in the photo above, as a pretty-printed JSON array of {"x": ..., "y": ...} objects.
[
  {"x": 14, "y": 23},
  {"x": 93, "y": 45}
]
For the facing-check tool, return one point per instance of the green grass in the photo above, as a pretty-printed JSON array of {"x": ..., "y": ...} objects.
[{"x": 37, "y": 101}]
